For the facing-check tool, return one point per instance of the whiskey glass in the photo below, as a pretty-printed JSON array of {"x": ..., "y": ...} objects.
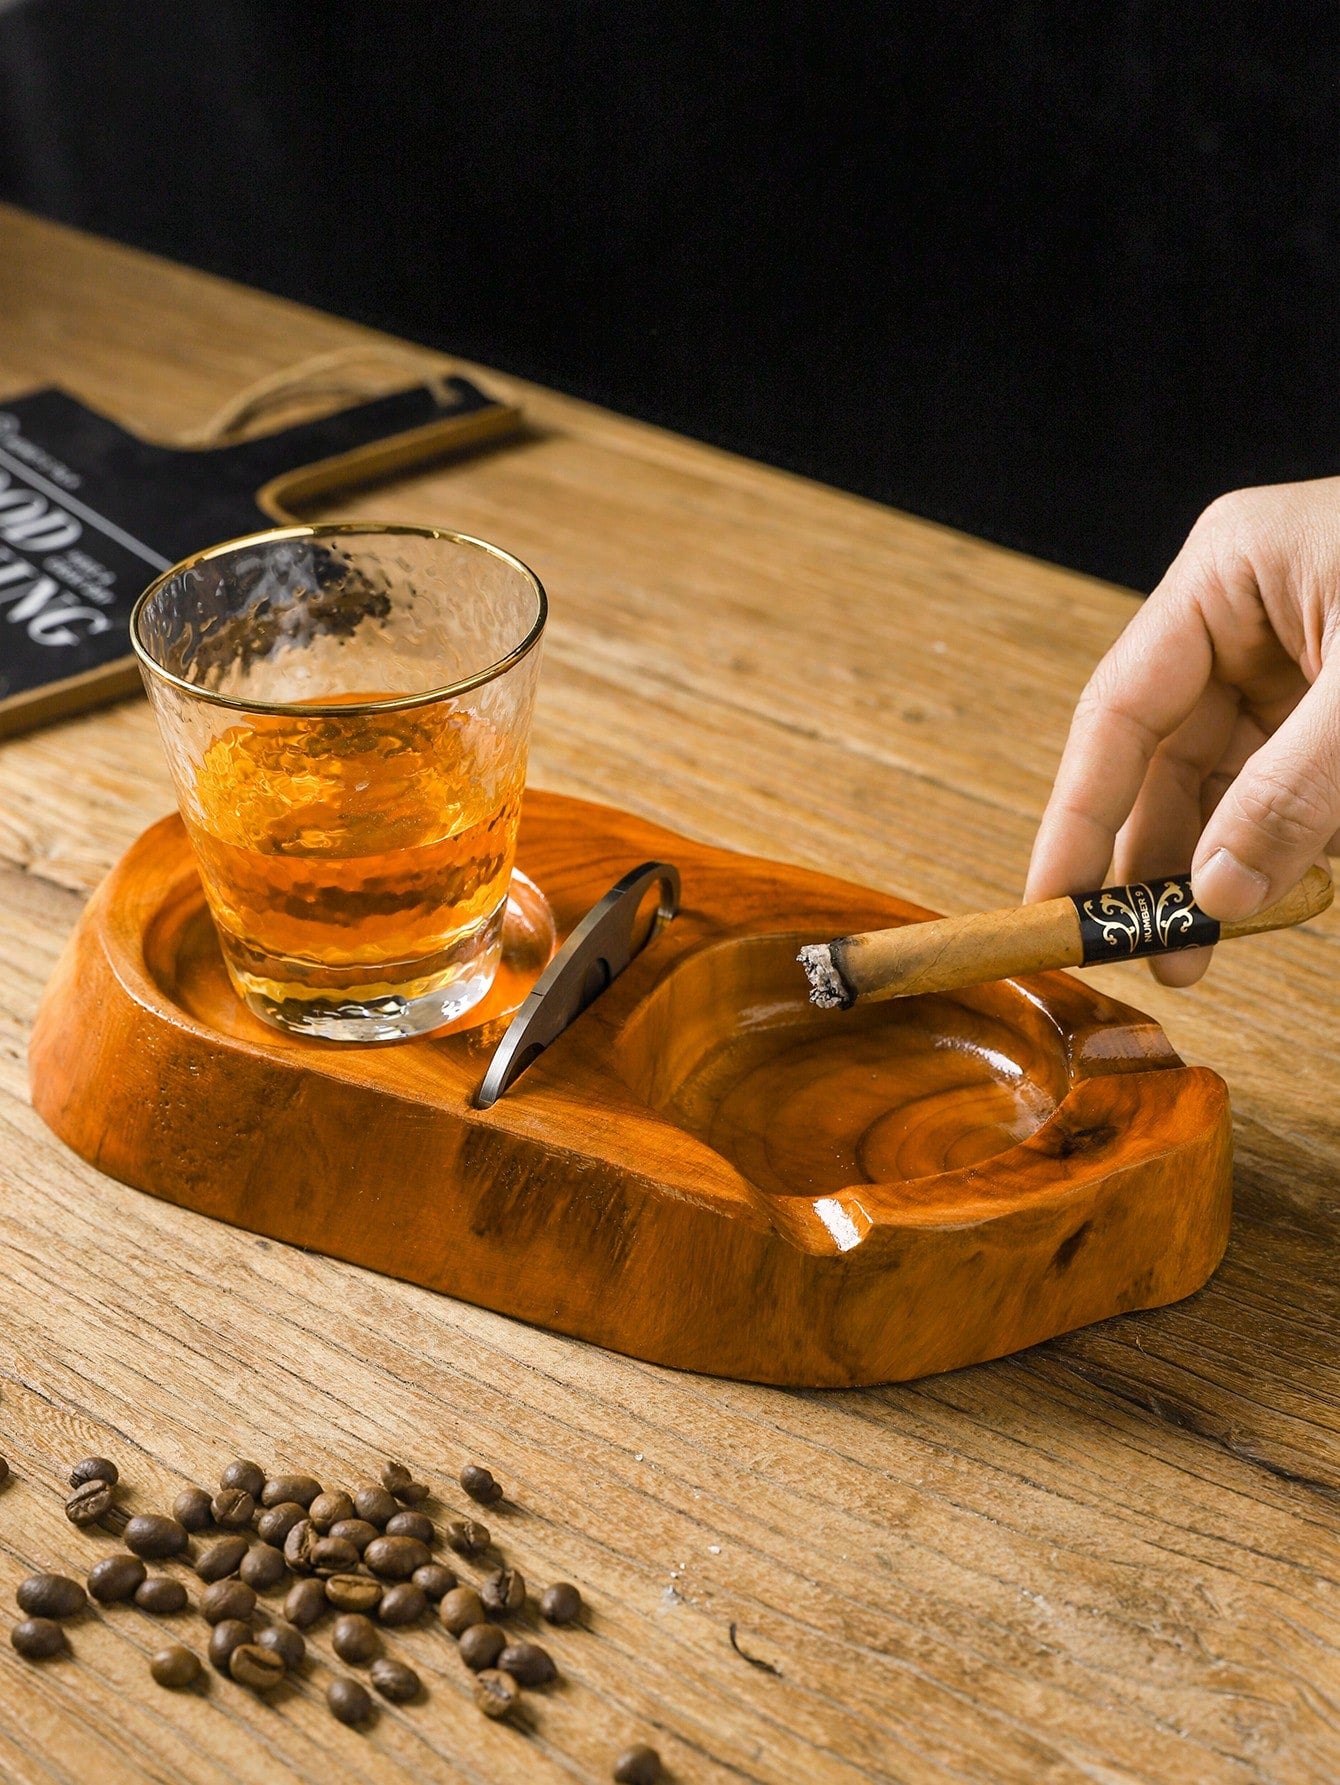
[{"x": 346, "y": 713}]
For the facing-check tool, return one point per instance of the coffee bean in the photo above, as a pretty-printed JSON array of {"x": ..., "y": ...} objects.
[
  {"x": 396, "y": 1558},
  {"x": 480, "y": 1485},
  {"x": 397, "y": 1480},
  {"x": 154, "y": 1536},
  {"x": 36, "y": 1639},
  {"x": 467, "y": 1537},
  {"x": 394, "y": 1680},
  {"x": 222, "y": 1558},
  {"x": 246, "y": 1477},
  {"x": 287, "y": 1642},
  {"x": 4, "y": 1471},
  {"x": 227, "y": 1599},
  {"x": 353, "y": 1592},
  {"x": 638, "y": 1766},
  {"x": 263, "y": 1566},
  {"x": 299, "y": 1545},
  {"x": 354, "y": 1530},
  {"x": 161, "y": 1595},
  {"x": 374, "y": 1504},
  {"x": 305, "y": 1602},
  {"x": 328, "y": 1509},
  {"x": 89, "y": 1502},
  {"x": 561, "y": 1603},
  {"x": 528, "y": 1663},
  {"x": 233, "y": 1509},
  {"x": 435, "y": 1580},
  {"x": 349, "y": 1701},
  {"x": 355, "y": 1637},
  {"x": 275, "y": 1523},
  {"x": 402, "y": 1604},
  {"x": 481, "y": 1645},
  {"x": 333, "y": 1555},
  {"x": 226, "y": 1637},
  {"x": 94, "y": 1469},
  {"x": 302, "y": 1488},
  {"x": 50, "y": 1596},
  {"x": 115, "y": 1578},
  {"x": 460, "y": 1608},
  {"x": 261, "y": 1669},
  {"x": 191, "y": 1509},
  {"x": 412, "y": 1524},
  {"x": 503, "y": 1592},
  {"x": 496, "y": 1694},
  {"x": 175, "y": 1667}
]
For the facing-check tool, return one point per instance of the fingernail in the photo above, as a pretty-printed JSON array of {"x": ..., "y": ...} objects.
[{"x": 1228, "y": 889}]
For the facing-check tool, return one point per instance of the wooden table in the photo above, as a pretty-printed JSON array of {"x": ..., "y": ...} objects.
[{"x": 1113, "y": 1558}]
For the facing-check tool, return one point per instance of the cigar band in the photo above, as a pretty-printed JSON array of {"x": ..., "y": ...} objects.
[{"x": 1150, "y": 917}]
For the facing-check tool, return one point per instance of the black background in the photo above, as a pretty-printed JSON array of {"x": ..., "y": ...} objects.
[{"x": 1054, "y": 273}]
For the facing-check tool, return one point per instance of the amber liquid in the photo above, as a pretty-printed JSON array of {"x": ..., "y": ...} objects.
[{"x": 351, "y": 859}]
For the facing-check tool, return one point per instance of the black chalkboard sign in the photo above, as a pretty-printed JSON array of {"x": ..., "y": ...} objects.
[{"x": 90, "y": 514}]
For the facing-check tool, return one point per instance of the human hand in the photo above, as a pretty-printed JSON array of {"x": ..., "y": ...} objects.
[{"x": 1210, "y": 732}]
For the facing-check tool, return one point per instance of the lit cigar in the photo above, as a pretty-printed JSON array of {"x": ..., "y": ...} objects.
[{"x": 1118, "y": 923}]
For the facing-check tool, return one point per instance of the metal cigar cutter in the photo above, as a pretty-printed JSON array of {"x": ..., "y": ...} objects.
[{"x": 592, "y": 958}]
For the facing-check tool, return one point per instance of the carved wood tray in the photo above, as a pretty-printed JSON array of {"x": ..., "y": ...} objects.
[{"x": 703, "y": 1170}]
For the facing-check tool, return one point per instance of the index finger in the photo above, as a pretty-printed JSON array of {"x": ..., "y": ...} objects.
[{"x": 1144, "y": 688}]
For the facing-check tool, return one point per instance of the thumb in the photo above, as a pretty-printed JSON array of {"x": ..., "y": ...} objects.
[{"x": 1278, "y": 815}]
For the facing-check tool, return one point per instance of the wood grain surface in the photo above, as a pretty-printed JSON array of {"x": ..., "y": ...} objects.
[{"x": 1113, "y": 1558}]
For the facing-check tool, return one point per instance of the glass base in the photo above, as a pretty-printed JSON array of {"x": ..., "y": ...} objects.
[{"x": 428, "y": 1001}]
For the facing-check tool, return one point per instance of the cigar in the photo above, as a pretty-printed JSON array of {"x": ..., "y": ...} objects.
[{"x": 1118, "y": 923}]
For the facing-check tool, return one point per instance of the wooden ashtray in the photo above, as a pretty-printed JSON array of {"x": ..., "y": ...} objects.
[{"x": 703, "y": 1170}]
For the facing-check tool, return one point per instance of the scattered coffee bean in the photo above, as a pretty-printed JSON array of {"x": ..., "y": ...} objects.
[
  {"x": 299, "y": 1545},
  {"x": 460, "y": 1608},
  {"x": 50, "y": 1596},
  {"x": 287, "y": 1642},
  {"x": 305, "y": 1602},
  {"x": 349, "y": 1701},
  {"x": 354, "y": 1530},
  {"x": 175, "y": 1667},
  {"x": 161, "y": 1595},
  {"x": 94, "y": 1469},
  {"x": 353, "y": 1592},
  {"x": 467, "y": 1537},
  {"x": 154, "y": 1536},
  {"x": 226, "y": 1637},
  {"x": 275, "y": 1523},
  {"x": 36, "y": 1639},
  {"x": 4, "y": 1471},
  {"x": 355, "y": 1637},
  {"x": 302, "y": 1488},
  {"x": 222, "y": 1558},
  {"x": 496, "y": 1693},
  {"x": 561, "y": 1603},
  {"x": 528, "y": 1663},
  {"x": 333, "y": 1555},
  {"x": 263, "y": 1566},
  {"x": 246, "y": 1477},
  {"x": 412, "y": 1524},
  {"x": 503, "y": 1592},
  {"x": 481, "y": 1645},
  {"x": 638, "y": 1766},
  {"x": 227, "y": 1599},
  {"x": 480, "y": 1485},
  {"x": 89, "y": 1502},
  {"x": 115, "y": 1578},
  {"x": 397, "y": 1480},
  {"x": 374, "y": 1504},
  {"x": 435, "y": 1580},
  {"x": 396, "y": 1558},
  {"x": 403, "y": 1603},
  {"x": 261, "y": 1669},
  {"x": 394, "y": 1680},
  {"x": 328, "y": 1509},
  {"x": 233, "y": 1509},
  {"x": 191, "y": 1509}
]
